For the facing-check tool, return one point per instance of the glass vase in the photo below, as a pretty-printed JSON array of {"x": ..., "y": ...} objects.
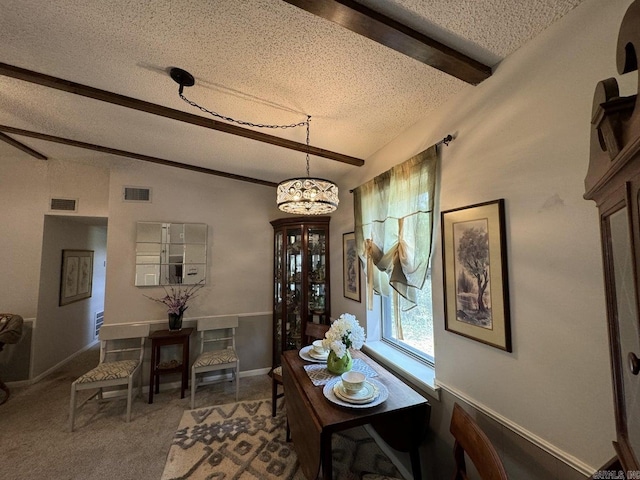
[
  {"x": 175, "y": 321},
  {"x": 339, "y": 365}
]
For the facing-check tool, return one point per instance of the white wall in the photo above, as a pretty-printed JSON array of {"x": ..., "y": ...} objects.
[
  {"x": 240, "y": 241},
  {"x": 523, "y": 135}
]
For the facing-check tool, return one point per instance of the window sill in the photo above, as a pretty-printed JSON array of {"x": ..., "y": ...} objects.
[{"x": 418, "y": 374}]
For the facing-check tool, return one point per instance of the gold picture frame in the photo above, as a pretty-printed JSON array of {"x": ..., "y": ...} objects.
[
  {"x": 350, "y": 267},
  {"x": 474, "y": 260},
  {"x": 76, "y": 276}
]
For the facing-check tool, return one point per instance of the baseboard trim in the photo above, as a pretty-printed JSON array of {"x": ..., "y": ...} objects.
[
  {"x": 51, "y": 370},
  {"x": 212, "y": 379},
  {"x": 551, "y": 449}
]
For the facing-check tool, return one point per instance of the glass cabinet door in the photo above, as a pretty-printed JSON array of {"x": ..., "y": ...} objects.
[
  {"x": 625, "y": 334},
  {"x": 317, "y": 261},
  {"x": 293, "y": 330},
  {"x": 301, "y": 280},
  {"x": 278, "y": 294}
]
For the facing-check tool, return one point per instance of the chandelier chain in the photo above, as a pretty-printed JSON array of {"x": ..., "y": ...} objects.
[
  {"x": 307, "y": 122},
  {"x": 242, "y": 122}
]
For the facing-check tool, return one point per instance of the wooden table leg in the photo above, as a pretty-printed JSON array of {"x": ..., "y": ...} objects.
[
  {"x": 152, "y": 376},
  {"x": 414, "y": 455},
  {"x": 327, "y": 459},
  {"x": 185, "y": 367}
]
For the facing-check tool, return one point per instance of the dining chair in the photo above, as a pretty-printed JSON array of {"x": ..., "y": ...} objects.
[
  {"x": 217, "y": 350},
  {"x": 472, "y": 441},
  {"x": 121, "y": 354},
  {"x": 313, "y": 331}
]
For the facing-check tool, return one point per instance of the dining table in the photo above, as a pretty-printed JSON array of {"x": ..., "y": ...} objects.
[{"x": 399, "y": 414}]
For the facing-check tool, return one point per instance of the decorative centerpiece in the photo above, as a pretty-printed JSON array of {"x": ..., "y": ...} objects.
[
  {"x": 176, "y": 298},
  {"x": 345, "y": 333}
]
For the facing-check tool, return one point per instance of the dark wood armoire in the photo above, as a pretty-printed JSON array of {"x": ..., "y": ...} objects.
[{"x": 613, "y": 182}]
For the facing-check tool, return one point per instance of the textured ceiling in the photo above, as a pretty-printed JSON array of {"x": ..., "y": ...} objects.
[{"x": 263, "y": 61}]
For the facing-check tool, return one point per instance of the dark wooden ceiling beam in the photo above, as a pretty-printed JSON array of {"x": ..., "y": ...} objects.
[
  {"x": 166, "y": 112},
  {"x": 21, "y": 146},
  {"x": 137, "y": 156},
  {"x": 399, "y": 37}
]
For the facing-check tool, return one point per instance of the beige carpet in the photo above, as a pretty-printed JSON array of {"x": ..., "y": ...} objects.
[{"x": 242, "y": 441}]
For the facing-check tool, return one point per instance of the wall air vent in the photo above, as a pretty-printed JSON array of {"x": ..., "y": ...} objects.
[
  {"x": 64, "y": 204},
  {"x": 136, "y": 194},
  {"x": 99, "y": 319}
]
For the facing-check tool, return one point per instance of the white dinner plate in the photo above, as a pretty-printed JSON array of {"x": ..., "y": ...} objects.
[
  {"x": 304, "y": 354},
  {"x": 367, "y": 393},
  {"x": 383, "y": 394}
]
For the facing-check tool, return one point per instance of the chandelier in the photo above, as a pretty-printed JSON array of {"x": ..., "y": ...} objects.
[
  {"x": 307, "y": 195},
  {"x": 300, "y": 195}
]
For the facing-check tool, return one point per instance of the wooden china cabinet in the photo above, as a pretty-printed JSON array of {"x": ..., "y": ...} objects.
[
  {"x": 613, "y": 182},
  {"x": 301, "y": 292}
]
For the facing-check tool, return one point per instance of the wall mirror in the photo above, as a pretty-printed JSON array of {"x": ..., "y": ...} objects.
[{"x": 170, "y": 253}]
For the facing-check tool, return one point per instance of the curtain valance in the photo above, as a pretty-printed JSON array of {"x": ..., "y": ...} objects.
[{"x": 393, "y": 226}]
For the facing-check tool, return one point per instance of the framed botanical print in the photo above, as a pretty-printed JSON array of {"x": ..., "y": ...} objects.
[
  {"x": 350, "y": 267},
  {"x": 475, "y": 273},
  {"x": 76, "y": 277}
]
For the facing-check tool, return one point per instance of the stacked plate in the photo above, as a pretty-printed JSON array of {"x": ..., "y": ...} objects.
[
  {"x": 320, "y": 357},
  {"x": 366, "y": 394},
  {"x": 372, "y": 393},
  {"x": 306, "y": 354}
]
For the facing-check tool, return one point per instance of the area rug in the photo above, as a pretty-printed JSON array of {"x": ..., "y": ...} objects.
[{"x": 243, "y": 441}]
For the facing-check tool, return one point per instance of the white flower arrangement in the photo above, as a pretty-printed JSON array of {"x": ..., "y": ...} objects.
[{"x": 344, "y": 333}]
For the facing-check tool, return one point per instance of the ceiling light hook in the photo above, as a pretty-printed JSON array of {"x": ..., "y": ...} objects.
[{"x": 182, "y": 78}]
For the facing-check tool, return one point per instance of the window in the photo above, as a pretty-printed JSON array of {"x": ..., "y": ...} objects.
[
  {"x": 417, "y": 324},
  {"x": 394, "y": 216}
]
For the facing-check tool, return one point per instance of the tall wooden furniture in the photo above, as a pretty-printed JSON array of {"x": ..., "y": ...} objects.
[
  {"x": 163, "y": 338},
  {"x": 613, "y": 182},
  {"x": 471, "y": 441},
  {"x": 301, "y": 292}
]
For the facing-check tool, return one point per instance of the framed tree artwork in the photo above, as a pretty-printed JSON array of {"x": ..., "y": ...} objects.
[
  {"x": 351, "y": 267},
  {"x": 475, "y": 273},
  {"x": 76, "y": 278}
]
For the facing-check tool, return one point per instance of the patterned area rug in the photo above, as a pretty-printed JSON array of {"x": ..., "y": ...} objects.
[{"x": 242, "y": 441}]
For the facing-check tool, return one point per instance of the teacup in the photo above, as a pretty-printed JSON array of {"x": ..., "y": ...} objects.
[
  {"x": 318, "y": 348},
  {"x": 353, "y": 381}
]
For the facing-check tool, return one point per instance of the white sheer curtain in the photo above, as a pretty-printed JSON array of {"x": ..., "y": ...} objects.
[{"x": 393, "y": 225}]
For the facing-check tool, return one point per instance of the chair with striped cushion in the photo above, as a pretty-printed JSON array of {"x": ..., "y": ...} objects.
[
  {"x": 121, "y": 353},
  {"x": 217, "y": 351}
]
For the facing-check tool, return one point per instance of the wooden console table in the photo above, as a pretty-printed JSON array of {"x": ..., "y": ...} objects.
[
  {"x": 402, "y": 420},
  {"x": 159, "y": 339}
]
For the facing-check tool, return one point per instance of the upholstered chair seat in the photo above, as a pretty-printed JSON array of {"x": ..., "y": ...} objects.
[
  {"x": 217, "y": 357},
  {"x": 109, "y": 371}
]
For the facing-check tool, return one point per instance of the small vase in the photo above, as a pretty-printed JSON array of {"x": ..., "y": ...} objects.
[
  {"x": 175, "y": 321},
  {"x": 339, "y": 365}
]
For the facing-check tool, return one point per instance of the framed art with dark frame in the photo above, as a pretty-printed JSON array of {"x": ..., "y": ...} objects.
[
  {"x": 350, "y": 267},
  {"x": 76, "y": 277},
  {"x": 474, "y": 258}
]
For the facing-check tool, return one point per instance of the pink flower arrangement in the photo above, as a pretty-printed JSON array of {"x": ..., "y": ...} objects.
[{"x": 176, "y": 298}]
